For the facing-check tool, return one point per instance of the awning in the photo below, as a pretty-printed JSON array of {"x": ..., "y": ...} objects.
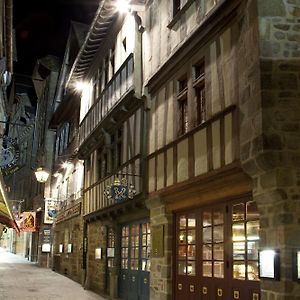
[{"x": 6, "y": 217}]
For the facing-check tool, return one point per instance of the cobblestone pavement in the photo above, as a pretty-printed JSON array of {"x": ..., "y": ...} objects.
[{"x": 23, "y": 280}]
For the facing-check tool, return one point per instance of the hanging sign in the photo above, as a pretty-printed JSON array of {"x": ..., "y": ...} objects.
[
  {"x": 28, "y": 222},
  {"x": 51, "y": 210},
  {"x": 10, "y": 154},
  {"x": 119, "y": 191}
]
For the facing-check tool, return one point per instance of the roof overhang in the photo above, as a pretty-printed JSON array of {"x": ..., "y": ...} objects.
[{"x": 105, "y": 16}]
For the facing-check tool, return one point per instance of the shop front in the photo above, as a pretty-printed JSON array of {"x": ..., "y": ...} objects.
[
  {"x": 135, "y": 261},
  {"x": 217, "y": 252}
]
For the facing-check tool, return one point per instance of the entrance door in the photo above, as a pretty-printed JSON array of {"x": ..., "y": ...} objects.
[
  {"x": 135, "y": 263},
  {"x": 217, "y": 252}
]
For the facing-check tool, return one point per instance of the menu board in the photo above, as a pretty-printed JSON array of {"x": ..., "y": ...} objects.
[{"x": 268, "y": 264}]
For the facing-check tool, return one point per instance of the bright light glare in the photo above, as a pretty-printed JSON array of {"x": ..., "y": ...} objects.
[
  {"x": 123, "y": 6},
  {"x": 66, "y": 164},
  {"x": 80, "y": 86}
]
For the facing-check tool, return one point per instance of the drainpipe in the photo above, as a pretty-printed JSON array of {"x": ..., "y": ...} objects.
[{"x": 9, "y": 35}]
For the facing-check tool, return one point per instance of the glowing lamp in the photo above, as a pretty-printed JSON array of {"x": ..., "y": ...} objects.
[{"x": 41, "y": 175}]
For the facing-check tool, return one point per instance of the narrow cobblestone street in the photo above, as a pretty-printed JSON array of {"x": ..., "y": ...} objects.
[{"x": 20, "y": 279}]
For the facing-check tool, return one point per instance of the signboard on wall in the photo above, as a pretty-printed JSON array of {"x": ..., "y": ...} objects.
[
  {"x": 51, "y": 210},
  {"x": 28, "y": 222}
]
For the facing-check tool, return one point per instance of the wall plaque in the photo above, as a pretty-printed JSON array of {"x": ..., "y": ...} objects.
[{"x": 157, "y": 233}]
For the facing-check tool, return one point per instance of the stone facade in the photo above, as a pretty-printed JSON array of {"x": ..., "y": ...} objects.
[
  {"x": 270, "y": 134},
  {"x": 96, "y": 268},
  {"x": 69, "y": 264},
  {"x": 161, "y": 267}
]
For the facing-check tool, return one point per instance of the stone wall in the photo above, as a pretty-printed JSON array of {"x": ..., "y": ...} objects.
[
  {"x": 270, "y": 124},
  {"x": 69, "y": 264},
  {"x": 161, "y": 271},
  {"x": 96, "y": 268}
]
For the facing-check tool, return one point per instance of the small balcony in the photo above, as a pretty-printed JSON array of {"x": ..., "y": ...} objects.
[{"x": 119, "y": 98}]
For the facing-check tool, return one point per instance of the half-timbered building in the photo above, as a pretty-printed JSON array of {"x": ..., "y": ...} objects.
[
  {"x": 63, "y": 205},
  {"x": 108, "y": 70},
  {"x": 217, "y": 73}
]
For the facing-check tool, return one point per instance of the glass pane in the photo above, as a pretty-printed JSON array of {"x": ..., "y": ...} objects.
[
  {"x": 191, "y": 251},
  {"x": 110, "y": 262},
  {"x": 182, "y": 251},
  {"x": 134, "y": 264},
  {"x": 206, "y": 218},
  {"x": 144, "y": 252},
  {"x": 124, "y": 264},
  {"x": 144, "y": 240},
  {"x": 148, "y": 239},
  {"x": 252, "y": 250},
  {"x": 239, "y": 270},
  {"x": 132, "y": 253},
  {"x": 239, "y": 251},
  {"x": 219, "y": 251},
  {"x": 144, "y": 228},
  {"x": 253, "y": 230},
  {"x": 192, "y": 221},
  {"x": 218, "y": 234},
  {"x": 207, "y": 238},
  {"x": 238, "y": 212},
  {"x": 181, "y": 267},
  {"x": 219, "y": 269},
  {"x": 207, "y": 252},
  {"x": 207, "y": 268},
  {"x": 182, "y": 222},
  {"x": 238, "y": 232},
  {"x": 182, "y": 237},
  {"x": 252, "y": 271},
  {"x": 144, "y": 265},
  {"x": 125, "y": 241},
  {"x": 218, "y": 217},
  {"x": 191, "y": 268},
  {"x": 252, "y": 211},
  {"x": 125, "y": 231},
  {"x": 191, "y": 238}
]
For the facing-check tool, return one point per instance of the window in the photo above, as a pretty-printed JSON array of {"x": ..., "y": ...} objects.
[
  {"x": 102, "y": 163},
  {"x": 111, "y": 244},
  {"x": 186, "y": 245},
  {"x": 178, "y": 5},
  {"x": 199, "y": 86},
  {"x": 106, "y": 70},
  {"x": 112, "y": 60},
  {"x": 245, "y": 237},
  {"x": 182, "y": 105}
]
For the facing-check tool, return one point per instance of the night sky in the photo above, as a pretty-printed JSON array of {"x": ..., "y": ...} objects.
[{"x": 42, "y": 27}]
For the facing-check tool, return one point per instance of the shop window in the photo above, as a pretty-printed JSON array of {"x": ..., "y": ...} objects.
[
  {"x": 213, "y": 243},
  {"x": 111, "y": 244},
  {"x": 124, "y": 247},
  {"x": 199, "y": 87},
  {"x": 186, "y": 245},
  {"x": 245, "y": 237},
  {"x": 134, "y": 249},
  {"x": 146, "y": 247}
]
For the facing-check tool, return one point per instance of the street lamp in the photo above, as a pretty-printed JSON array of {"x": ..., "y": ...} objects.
[{"x": 41, "y": 175}]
